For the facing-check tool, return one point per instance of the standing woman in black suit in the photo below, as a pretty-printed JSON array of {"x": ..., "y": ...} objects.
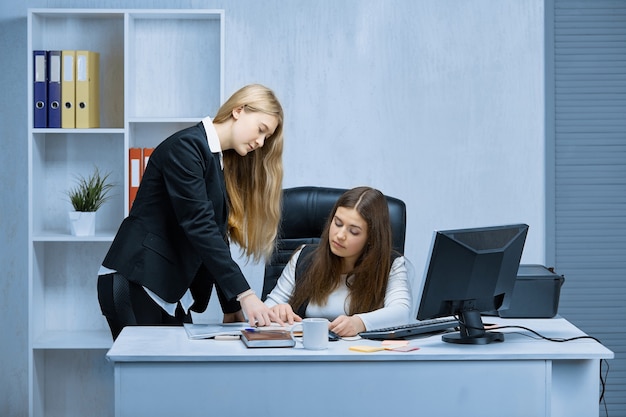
[{"x": 204, "y": 186}]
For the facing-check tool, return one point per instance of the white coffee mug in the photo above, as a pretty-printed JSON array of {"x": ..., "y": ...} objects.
[{"x": 314, "y": 333}]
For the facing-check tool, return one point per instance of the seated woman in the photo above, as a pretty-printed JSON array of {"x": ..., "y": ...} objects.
[{"x": 352, "y": 277}]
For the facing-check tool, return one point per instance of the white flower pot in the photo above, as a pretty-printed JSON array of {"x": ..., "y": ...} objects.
[{"x": 83, "y": 223}]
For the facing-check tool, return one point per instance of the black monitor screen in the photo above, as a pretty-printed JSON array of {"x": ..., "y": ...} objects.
[{"x": 471, "y": 271}]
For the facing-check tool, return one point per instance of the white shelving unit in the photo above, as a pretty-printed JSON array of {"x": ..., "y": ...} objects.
[{"x": 160, "y": 71}]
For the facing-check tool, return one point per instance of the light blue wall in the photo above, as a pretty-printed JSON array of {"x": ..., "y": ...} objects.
[{"x": 437, "y": 102}]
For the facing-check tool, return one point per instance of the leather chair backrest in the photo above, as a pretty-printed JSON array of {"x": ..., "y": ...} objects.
[{"x": 304, "y": 214}]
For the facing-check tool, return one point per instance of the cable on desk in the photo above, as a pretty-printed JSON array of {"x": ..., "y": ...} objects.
[{"x": 602, "y": 400}]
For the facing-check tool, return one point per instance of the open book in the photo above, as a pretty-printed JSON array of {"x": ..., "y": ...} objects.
[{"x": 210, "y": 330}]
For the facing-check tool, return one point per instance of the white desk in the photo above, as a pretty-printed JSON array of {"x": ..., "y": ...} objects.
[{"x": 160, "y": 372}]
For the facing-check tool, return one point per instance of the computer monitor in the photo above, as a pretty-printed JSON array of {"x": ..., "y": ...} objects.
[{"x": 471, "y": 271}]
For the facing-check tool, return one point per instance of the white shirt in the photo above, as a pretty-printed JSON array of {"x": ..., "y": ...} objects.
[
  {"x": 396, "y": 308},
  {"x": 212, "y": 138},
  {"x": 187, "y": 299}
]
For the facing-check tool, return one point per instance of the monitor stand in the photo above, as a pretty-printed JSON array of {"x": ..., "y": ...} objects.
[{"x": 472, "y": 331}]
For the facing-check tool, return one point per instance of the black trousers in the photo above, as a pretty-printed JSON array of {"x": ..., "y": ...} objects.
[{"x": 125, "y": 303}]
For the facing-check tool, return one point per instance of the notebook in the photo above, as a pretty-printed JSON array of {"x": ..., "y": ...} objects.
[{"x": 254, "y": 338}]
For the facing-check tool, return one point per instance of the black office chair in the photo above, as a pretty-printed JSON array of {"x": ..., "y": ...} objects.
[{"x": 304, "y": 214}]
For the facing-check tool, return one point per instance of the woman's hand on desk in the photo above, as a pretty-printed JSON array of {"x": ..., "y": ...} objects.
[
  {"x": 346, "y": 326},
  {"x": 285, "y": 313},
  {"x": 257, "y": 312}
]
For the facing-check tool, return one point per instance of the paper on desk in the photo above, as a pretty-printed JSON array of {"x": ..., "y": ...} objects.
[
  {"x": 197, "y": 331},
  {"x": 393, "y": 345},
  {"x": 276, "y": 326},
  {"x": 406, "y": 348}
]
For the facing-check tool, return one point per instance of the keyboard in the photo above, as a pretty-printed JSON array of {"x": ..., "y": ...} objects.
[{"x": 423, "y": 327}]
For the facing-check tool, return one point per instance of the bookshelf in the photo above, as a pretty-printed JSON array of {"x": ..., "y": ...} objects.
[{"x": 160, "y": 71}]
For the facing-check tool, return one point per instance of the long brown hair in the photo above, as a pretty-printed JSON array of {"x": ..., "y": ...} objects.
[
  {"x": 254, "y": 181},
  {"x": 367, "y": 282}
]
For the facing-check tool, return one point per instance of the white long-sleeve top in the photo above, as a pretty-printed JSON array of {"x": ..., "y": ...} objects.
[{"x": 395, "y": 311}]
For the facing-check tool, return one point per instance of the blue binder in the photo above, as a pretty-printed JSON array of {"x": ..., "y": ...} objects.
[
  {"x": 40, "y": 89},
  {"x": 54, "y": 89}
]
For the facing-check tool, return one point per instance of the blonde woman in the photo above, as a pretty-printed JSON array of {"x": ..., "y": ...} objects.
[{"x": 204, "y": 186}]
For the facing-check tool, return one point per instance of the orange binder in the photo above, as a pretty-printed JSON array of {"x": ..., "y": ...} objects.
[
  {"x": 87, "y": 89},
  {"x": 135, "y": 171},
  {"x": 146, "y": 156}
]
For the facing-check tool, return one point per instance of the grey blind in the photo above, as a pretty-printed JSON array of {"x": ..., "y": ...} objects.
[{"x": 589, "y": 137}]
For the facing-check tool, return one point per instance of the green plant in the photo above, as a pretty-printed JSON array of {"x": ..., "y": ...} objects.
[{"x": 90, "y": 193}]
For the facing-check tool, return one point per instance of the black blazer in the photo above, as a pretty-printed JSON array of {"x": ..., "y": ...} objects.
[{"x": 175, "y": 235}]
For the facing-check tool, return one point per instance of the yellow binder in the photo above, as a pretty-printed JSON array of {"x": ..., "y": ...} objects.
[
  {"x": 68, "y": 89},
  {"x": 87, "y": 89}
]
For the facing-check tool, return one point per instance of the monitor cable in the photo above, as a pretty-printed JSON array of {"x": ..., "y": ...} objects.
[{"x": 603, "y": 373}]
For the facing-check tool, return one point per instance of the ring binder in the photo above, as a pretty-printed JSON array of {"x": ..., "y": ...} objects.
[
  {"x": 54, "y": 89},
  {"x": 68, "y": 89},
  {"x": 87, "y": 89},
  {"x": 40, "y": 89}
]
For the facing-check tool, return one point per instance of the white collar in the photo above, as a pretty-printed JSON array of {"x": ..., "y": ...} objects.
[{"x": 212, "y": 138}]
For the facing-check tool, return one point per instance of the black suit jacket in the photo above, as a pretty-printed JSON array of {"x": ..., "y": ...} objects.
[{"x": 175, "y": 235}]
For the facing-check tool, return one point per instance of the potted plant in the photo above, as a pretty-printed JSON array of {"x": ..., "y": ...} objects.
[{"x": 87, "y": 196}]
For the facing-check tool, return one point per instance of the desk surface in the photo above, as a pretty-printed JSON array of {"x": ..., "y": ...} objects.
[
  {"x": 524, "y": 376},
  {"x": 158, "y": 344}
]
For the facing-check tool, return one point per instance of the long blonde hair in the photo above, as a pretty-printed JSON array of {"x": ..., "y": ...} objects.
[{"x": 254, "y": 182}]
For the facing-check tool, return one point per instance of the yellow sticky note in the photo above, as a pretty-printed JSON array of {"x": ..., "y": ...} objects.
[{"x": 363, "y": 348}]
